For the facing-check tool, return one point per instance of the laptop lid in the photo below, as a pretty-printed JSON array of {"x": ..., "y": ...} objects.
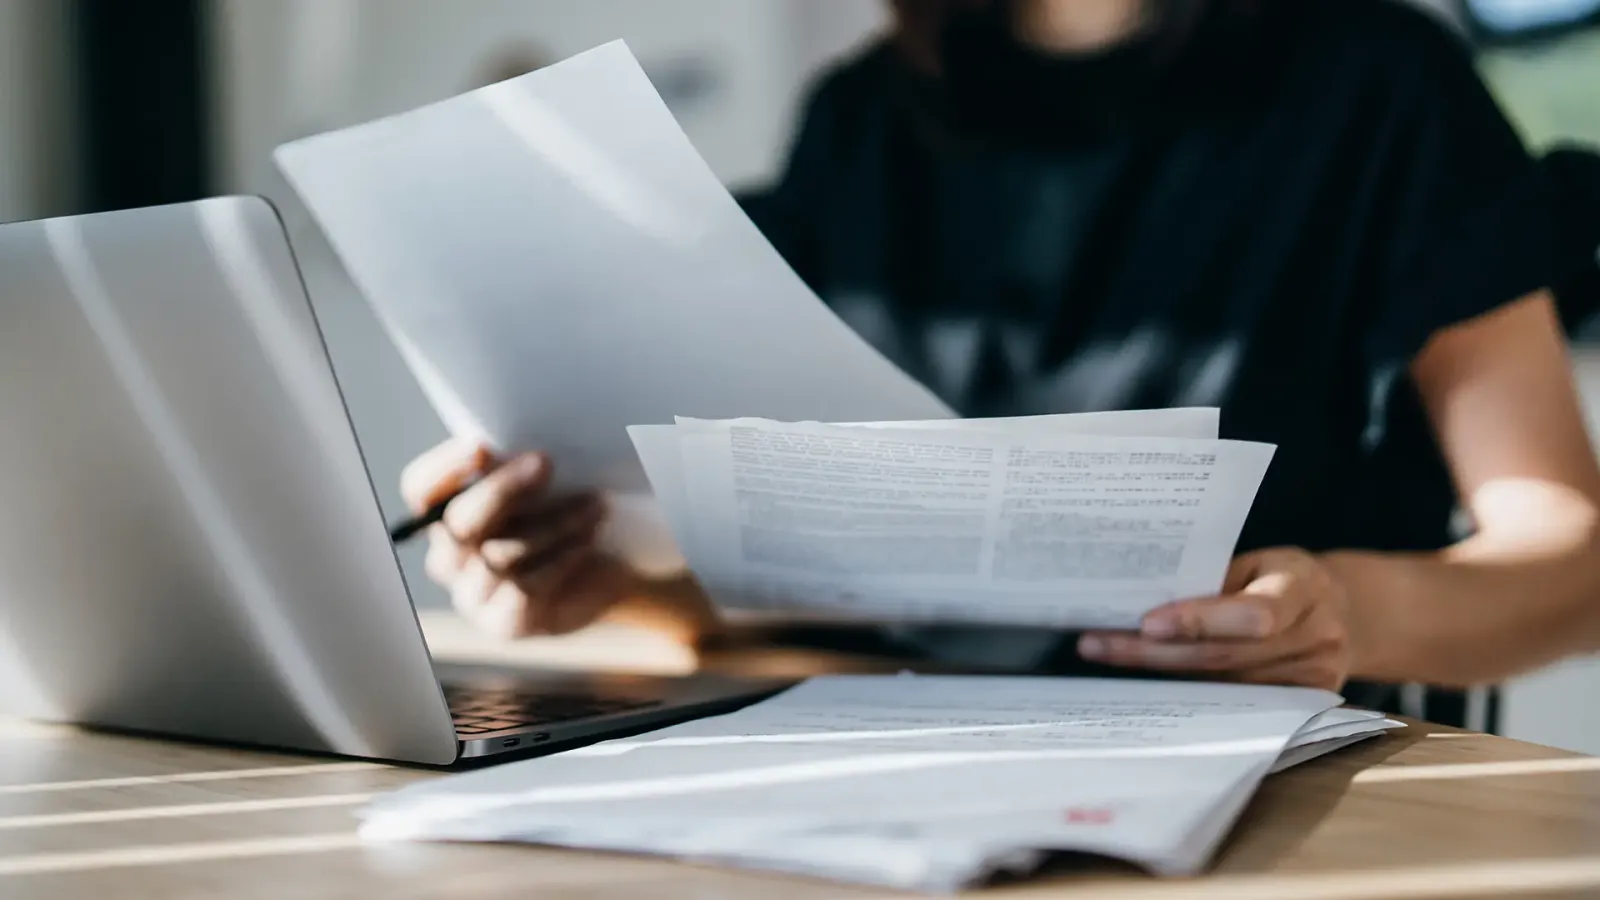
[{"x": 189, "y": 541}]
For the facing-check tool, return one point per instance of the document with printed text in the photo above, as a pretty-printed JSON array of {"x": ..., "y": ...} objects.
[
  {"x": 1058, "y": 522},
  {"x": 927, "y": 783}
]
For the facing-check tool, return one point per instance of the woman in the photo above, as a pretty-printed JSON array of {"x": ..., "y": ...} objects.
[{"x": 1309, "y": 214}]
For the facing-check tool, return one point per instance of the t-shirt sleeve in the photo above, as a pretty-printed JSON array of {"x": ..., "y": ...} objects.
[{"x": 1468, "y": 222}]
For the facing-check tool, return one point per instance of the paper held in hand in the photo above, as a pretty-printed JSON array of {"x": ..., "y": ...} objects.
[
  {"x": 921, "y": 783},
  {"x": 556, "y": 262},
  {"x": 1063, "y": 522}
]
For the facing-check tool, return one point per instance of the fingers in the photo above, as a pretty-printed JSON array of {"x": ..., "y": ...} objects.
[
  {"x": 508, "y": 613},
  {"x": 515, "y": 487},
  {"x": 1269, "y": 607},
  {"x": 470, "y": 588},
  {"x": 1135, "y": 652},
  {"x": 1320, "y": 633},
  {"x": 1313, "y": 668},
  {"x": 442, "y": 471},
  {"x": 567, "y": 593},
  {"x": 528, "y": 592},
  {"x": 503, "y": 607},
  {"x": 526, "y": 543},
  {"x": 445, "y": 558},
  {"x": 1282, "y": 606},
  {"x": 1265, "y": 594},
  {"x": 535, "y": 568}
]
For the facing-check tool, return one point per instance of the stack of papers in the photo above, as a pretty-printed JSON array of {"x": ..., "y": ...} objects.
[
  {"x": 912, "y": 782},
  {"x": 1056, "y": 522}
]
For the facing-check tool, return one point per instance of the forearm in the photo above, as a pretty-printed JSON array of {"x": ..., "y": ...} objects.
[{"x": 1474, "y": 614}]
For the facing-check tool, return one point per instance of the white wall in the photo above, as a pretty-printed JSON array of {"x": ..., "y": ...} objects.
[
  {"x": 294, "y": 67},
  {"x": 299, "y": 66},
  {"x": 1556, "y": 707},
  {"x": 34, "y": 164}
]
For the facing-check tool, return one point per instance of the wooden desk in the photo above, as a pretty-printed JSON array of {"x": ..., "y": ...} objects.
[{"x": 1425, "y": 813}]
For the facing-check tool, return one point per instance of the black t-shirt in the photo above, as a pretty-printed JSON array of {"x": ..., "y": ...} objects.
[{"x": 1282, "y": 255}]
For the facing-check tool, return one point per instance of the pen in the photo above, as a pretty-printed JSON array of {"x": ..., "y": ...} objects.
[{"x": 433, "y": 515}]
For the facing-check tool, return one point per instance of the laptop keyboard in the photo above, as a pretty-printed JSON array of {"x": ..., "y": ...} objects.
[{"x": 478, "y": 711}]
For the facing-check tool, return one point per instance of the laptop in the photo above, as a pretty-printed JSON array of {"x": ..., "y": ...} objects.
[{"x": 190, "y": 542}]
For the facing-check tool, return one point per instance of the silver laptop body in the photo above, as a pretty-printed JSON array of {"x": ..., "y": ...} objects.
[{"x": 190, "y": 544}]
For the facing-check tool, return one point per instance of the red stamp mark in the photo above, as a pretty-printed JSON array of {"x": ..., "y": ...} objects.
[{"x": 1090, "y": 815}]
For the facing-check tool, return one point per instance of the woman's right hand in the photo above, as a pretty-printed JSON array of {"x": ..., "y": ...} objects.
[{"x": 517, "y": 559}]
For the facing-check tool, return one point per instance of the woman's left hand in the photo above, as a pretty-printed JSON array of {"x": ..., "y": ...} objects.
[{"x": 1282, "y": 619}]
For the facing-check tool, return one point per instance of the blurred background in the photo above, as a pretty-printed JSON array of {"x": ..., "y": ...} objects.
[{"x": 113, "y": 103}]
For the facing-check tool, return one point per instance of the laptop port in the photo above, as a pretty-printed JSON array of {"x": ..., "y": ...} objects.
[{"x": 511, "y": 742}]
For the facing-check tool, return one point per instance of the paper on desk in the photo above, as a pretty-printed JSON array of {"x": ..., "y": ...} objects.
[
  {"x": 556, "y": 262},
  {"x": 1331, "y": 731},
  {"x": 1045, "y": 526},
  {"x": 926, "y": 783}
]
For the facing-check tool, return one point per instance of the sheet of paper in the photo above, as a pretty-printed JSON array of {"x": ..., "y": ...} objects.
[
  {"x": 556, "y": 263},
  {"x": 1338, "y": 723},
  {"x": 1331, "y": 731},
  {"x": 922, "y": 782},
  {"x": 1304, "y": 753},
  {"x": 657, "y": 445},
  {"x": 954, "y": 525},
  {"x": 1198, "y": 423}
]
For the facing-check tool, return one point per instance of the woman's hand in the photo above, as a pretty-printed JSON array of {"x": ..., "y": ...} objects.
[
  {"x": 1283, "y": 618},
  {"x": 517, "y": 559}
]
